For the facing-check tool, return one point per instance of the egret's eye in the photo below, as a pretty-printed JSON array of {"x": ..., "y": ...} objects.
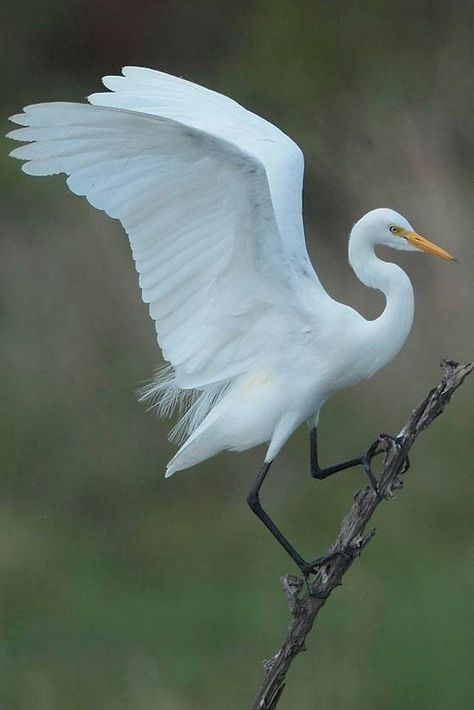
[{"x": 393, "y": 229}]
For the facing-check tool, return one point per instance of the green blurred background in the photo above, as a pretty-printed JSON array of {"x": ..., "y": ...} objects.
[{"x": 121, "y": 590}]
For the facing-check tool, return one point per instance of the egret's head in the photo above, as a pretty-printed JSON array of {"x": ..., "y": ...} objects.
[{"x": 387, "y": 227}]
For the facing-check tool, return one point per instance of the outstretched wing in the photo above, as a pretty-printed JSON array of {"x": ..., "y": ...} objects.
[{"x": 210, "y": 197}]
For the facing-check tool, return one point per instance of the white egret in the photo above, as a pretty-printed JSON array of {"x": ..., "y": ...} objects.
[{"x": 210, "y": 197}]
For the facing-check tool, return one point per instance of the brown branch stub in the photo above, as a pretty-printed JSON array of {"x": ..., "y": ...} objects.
[{"x": 352, "y": 537}]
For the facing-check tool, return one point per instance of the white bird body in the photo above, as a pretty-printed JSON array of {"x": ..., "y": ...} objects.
[
  {"x": 210, "y": 197},
  {"x": 271, "y": 400}
]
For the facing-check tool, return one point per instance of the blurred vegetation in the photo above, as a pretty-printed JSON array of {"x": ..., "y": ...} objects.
[{"x": 119, "y": 590}]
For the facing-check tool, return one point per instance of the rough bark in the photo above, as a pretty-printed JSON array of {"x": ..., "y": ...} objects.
[{"x": 352, "y": 537}]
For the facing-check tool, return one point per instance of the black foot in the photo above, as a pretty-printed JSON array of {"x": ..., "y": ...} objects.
[
  {"x": 398, "y": 441},
  {"x": 377, "y": 448},
  {"x": 312, "y": 567},
  {"x": 309, "y": 568}
]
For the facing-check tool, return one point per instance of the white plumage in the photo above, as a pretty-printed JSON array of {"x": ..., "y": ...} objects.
[{"x": 210, "y": 197}]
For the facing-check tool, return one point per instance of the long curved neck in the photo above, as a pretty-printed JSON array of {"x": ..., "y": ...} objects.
[{"x": 390, "y": 330}]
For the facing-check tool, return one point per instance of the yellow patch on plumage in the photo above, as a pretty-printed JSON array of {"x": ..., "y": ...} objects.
[
  {"x": 250, "y": 385},
  {"x": 256, "y": 381}
]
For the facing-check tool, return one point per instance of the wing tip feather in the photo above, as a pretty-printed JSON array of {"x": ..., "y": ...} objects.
[
  {"x": 170, "y": 470},
  {"x": 19, "y": 119}
]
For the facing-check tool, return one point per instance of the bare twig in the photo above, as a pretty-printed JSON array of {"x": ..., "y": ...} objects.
[{"x": 352, "y": 537}]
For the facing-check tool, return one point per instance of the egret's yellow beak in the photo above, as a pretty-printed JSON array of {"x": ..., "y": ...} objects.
[{"x": 422, "y": 243}]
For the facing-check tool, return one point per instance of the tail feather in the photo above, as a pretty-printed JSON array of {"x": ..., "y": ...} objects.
[
  {"x": 203, "y": 443},
  {"x": 166, "y": 396}
]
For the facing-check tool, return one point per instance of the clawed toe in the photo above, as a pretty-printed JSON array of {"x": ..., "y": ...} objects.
[
  {"x": 314, "y": 566},
  {"x": 398, "y": 441},
  {"x": 376, "y": 449}
]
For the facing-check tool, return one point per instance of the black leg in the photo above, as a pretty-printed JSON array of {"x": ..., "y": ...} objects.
[
  {"x": 253, "y": 499},
  {"x": 254, "y": 502},
  {"x": 321, "y": 473}
]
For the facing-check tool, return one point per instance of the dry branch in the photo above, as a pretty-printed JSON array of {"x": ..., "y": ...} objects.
[{"x": 352, "y": 537}]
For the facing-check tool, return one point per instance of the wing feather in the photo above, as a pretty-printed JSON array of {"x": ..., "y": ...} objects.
[{"x": 210, "y": 197}]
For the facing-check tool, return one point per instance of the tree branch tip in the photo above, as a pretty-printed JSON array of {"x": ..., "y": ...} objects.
[
  {"x": 292, "y": 584},
  {"x": 448, "y": 363},
  {"x": 452, "y": 368}
]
